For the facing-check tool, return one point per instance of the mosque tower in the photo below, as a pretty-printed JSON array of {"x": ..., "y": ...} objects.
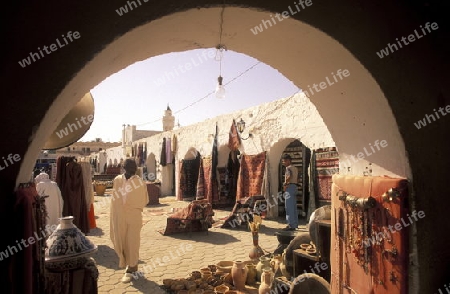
[{"x": 168, "y": 120}]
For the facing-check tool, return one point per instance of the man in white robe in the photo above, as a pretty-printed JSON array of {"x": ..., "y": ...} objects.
[{"x": 128, "y": 200}]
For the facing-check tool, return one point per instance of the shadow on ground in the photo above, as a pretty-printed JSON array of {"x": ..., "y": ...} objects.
[
  {"x": 213, "y": 237},
  {"x": 96, "y": 232},
  {"x": 107, "y": 257},
  {"x": 143, "y": 285},
  {"x": 158, "y": 205}
]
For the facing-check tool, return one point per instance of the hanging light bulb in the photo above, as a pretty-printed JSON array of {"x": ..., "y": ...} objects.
[{"x": 220, "y": 89}]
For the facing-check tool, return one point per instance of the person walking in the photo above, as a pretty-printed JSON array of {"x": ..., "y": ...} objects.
[
  {"x": 290, "y": 193},
  {"x": 128, "y": 201}
]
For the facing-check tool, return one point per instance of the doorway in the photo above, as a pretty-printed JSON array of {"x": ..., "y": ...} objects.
[{"x": 300, "y": 159}]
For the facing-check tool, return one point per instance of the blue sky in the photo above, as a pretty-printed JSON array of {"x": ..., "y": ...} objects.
[{"x": 139, "y": 94}]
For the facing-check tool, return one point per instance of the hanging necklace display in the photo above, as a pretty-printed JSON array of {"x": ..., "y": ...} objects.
[
  {"x": 366, "y": 235},
  {"x": 349, "y": 235}
]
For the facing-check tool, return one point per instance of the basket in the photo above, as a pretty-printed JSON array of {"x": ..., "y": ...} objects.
[{"x": 100, "y": 189}]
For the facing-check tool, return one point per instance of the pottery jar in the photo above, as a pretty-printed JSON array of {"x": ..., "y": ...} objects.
[
  {"x": 275, "y": 264},
  {"x": 239, "y": 275},
  {"x": 266, "y": 281},
  {"x": 264, "y": 262},
  {"x": 67, "y": 246},
  {"x": 251, "y": 274}
]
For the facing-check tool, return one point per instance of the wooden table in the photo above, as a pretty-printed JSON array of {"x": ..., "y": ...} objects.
[{"x": 303, "y": 262}]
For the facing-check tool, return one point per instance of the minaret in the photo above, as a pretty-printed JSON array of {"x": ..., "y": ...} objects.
[{"x": 168, "y": 119}]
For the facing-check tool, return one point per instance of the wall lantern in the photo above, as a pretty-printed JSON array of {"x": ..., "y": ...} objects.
[{"x": 241, "y": 127}]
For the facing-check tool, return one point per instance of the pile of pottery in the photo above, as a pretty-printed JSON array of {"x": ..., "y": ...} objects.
[
  {"x": 207, "y": 280},
  {"x": 309, "y": 248},
  {"x": 229, "y": 277}
]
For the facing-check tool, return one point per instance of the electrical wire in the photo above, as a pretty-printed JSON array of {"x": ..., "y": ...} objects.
[{"x": 204, "y": 97}]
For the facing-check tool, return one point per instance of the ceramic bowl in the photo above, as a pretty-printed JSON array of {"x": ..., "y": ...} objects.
[
  {"x": 221, "y": 289},
  {"x": 311, "y": 251},
  {"x": 225, "y": 266},
  {"x": 304, "y": 246}
]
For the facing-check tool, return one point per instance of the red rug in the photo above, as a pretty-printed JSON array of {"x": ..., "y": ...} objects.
[
  {"x": 189, "y": 218},
  {"x": 327, "y": 164},
  {"x": 251, "y": 175}
]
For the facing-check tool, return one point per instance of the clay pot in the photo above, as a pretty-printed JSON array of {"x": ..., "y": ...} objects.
[
  {"x": 66, "y": 245},
  {"x": 275, "y": 264},
  {"x": 196, "y": 275},
  {"x": 100, "y": 189},
  {"x": 251, "y": 274},
  {"x": 266, "y": 281},
  {"x": 221, "y": 289},
  {"x": 264, "y": 262},
  {"x": 239, "y": 275},
  {"x": 207, "y": 276},
  {"x": 256, "y": 251},
  {"x": 225, "y": 266}
]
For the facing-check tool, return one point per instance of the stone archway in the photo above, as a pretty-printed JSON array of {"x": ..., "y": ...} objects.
[{"x": 355, "y": 92}]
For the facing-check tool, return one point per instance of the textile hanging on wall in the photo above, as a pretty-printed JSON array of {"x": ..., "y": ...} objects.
[
  {"x": 70, "y": 178},
  {"x": 87, "y": 183},
  {"x": 27, "y": 262},
  {"x": 206, "y": 186},
  {"x": 140, "y": 154},
  {"x": 233, "y": 167},
  {"x": 251, "y": 175},
  {"x": 313, "y": 195},
  {"x": 189, "y": 176},
  {"x": 182, "y": 181},
  {"x": 234, "y": 141},
  {"x": 144, "y": 154},
  {"x": 174, "y": 143},
  {"x": 265, "y": 187},
  {"x": 168, "y": 151},
  {"x": 200, "y": 193},
  {"x": 162, "y": 160},
  {"x": 327, "y": 164},
  {"x": 215, "y": 156},
  {"x": 89, "y": 192}
]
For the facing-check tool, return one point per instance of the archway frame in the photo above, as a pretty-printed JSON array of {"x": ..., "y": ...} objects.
[{"x": 410, "y": 92}]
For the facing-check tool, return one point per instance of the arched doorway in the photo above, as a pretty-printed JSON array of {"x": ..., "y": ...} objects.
[
  {"x": 227, "y": 171},
  {"x": 300, "y": 155},
  {"x": 189, "y": 168}
]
